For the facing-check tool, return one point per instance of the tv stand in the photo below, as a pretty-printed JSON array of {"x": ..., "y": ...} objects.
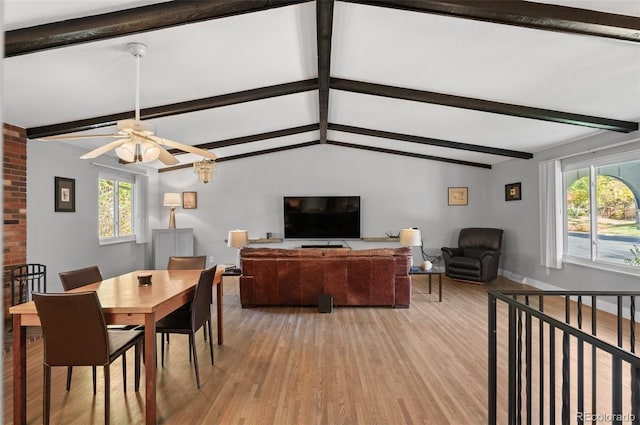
[{"x": 322, "y": 246}]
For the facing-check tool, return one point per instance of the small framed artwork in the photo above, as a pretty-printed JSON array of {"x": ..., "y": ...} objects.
[
  {"x": 458, "y": 196},
  {"x": 189, "y": 200},
  {"x": 513, "y": 191},
  {"x": 65, "y": 194}
]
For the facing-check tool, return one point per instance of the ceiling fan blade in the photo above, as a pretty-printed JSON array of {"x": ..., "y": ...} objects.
[
  {"x": 166, "y": 158},
  {"x": 183, "y": 147},
  {"x": 88, "y": 136},
  {"x": 103, "y": 149}
]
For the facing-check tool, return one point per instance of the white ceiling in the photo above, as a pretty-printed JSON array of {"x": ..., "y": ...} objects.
[{"x": 574, "y": 73}]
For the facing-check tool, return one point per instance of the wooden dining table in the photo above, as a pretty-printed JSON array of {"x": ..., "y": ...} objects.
[{"x": 124, "y": 302}]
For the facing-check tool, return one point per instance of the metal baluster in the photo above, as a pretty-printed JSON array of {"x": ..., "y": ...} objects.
[
  {"x": 493, "y": 361},
  {"x": 541, "y": 353},
  {"x": 529, "y": 365},
  {"x": 594, "y": 375},
  {"x": 519, "y": 376},
  {"x": 616, "y": 372},
  {"x": 552, "y": 375},
  {"x": 632, "y": 324},
  {"x": 566, "y": 365},
  {"x": 635, "y": 372},
  {"x": 566, "y": 378},
  {"x": 620, "y": 321},
  {"x": 580, "y": 395},
  {"x": 616, "y": 390},
  {"x": 512, "y": 364}
]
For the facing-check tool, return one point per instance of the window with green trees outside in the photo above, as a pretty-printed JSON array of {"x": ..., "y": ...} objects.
[
  {"x": 602, "y": 223},
  {"x": 115, "y": 209}
]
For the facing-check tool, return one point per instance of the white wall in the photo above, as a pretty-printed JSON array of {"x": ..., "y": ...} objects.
[
  {"x": 64, "y": 240},
  {"x": 395, "y": 192},
  {"x": 520, "y": 219}
]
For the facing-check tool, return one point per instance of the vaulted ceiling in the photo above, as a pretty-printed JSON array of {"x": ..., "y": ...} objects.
[{"x": 467, "y": 82}]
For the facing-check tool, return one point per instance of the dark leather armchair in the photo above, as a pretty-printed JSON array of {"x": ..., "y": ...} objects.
[{"x": 477, "y": 255}]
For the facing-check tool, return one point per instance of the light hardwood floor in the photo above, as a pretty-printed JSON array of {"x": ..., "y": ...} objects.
[{"x": 284, "y": 365}]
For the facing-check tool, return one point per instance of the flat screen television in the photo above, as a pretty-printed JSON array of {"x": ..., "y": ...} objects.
[{"x": 322, "y": 217}]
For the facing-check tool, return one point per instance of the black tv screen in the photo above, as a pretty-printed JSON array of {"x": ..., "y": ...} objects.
[{"x": 319, "y": 217}]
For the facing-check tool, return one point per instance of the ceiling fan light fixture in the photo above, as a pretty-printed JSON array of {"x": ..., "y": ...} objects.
[
  {"x": 127, "y": 151},
  {"x": 149, "y": 151},
  {"x": 204, "y": 169},
  {"x": 143, "y": 151}
]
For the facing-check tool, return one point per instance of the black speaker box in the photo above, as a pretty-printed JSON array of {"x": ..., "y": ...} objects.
[{"x": 325, "y": 303}]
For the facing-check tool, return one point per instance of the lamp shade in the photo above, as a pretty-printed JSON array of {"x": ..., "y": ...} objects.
[
  {"x": 238, "y": 238},
  {"x": 172, "y": 200},
  {"x": 410, "y": 237}
]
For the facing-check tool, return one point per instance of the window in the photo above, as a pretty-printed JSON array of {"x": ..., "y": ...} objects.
[
  {"x": 601, "y": 199},
  {"x": 115, "y": 208}
]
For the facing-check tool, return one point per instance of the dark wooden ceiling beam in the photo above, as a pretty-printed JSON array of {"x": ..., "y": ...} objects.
[
  {"x": 324, "y": 17},
  {"x": 252, "y": 138},
  {"x": 483, "y": 105},
  {"x": 246, "y": 155},
  {"x": 540, "y": 16},
  {"x": 409, "y": 154},
  {"x": 129, "y": 21},
  {"x": 430, "y": 141},
  {"x": 175, "y": 108}
]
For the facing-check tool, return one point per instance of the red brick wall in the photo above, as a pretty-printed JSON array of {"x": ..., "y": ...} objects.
[{"x": 14, "y": 180}]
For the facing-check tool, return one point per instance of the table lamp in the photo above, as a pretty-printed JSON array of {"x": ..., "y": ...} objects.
[
  {"x": 172, "y": 200},
  {"x": 410, "y": 237},
  {"x": 238, "y": 239}
]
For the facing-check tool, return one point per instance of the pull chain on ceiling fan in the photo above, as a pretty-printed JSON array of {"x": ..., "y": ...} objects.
[{"x": 137, "y": 142}]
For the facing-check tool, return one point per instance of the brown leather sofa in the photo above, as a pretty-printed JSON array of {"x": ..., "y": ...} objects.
[{"x": 295, "y": 277}]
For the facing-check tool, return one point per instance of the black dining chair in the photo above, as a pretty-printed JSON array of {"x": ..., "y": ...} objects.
[
  {"x": 73, "y": 279},
  {"x": 196, "y": 262},
  {"x": 75, "y": 334},
  {"x": 190, "y": 321}
]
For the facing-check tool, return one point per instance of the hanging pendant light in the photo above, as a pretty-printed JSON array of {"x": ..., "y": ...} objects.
[{"x": 204, "y": 169}]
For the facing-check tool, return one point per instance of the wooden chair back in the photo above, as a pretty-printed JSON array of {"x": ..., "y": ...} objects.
[{"x": 80, "y": 277}]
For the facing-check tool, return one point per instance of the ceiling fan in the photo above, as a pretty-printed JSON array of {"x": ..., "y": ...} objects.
[{"x": 136, "y": 139}]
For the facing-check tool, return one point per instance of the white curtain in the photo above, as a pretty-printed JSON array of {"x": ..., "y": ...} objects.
[
  {"x": 141, "y": 209},
  {"x": 551, "y": 224}
]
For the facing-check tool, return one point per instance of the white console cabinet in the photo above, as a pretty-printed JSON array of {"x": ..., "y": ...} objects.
[{"x": 171, "y": 242}]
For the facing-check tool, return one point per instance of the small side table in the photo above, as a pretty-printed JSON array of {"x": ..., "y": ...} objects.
[
  {"x": 232, "y": 275},
  {"x": 433, "y": 272},
  {"x": 232, "y": 271}
]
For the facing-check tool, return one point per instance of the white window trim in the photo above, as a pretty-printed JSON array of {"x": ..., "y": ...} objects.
[
  {"x": 610, "y": 267},
  {"x": 592, "y": 160}
]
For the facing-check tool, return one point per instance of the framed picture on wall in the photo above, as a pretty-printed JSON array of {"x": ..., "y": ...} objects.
[
  {"x": 189, "y": 200},
  {"x": 513, "y": 191},
  {"x": 458, "y": 196},
  {"x": 65, "y": 194}
]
